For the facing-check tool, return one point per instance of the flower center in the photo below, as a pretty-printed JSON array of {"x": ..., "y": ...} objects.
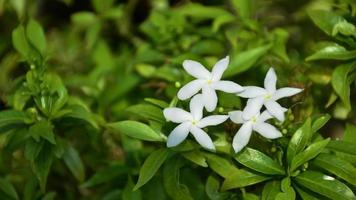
[
  {"x": 268, "y": 96},
  {"x": 194, "y": 122},
  {"x": 209, "y": 81},
  {"x": 254, "y": 119}
]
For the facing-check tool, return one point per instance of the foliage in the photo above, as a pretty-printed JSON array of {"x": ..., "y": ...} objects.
[{"x": 83, "y": 86}]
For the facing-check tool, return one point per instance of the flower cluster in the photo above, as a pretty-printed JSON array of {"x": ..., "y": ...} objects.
[{"x": 251, "y": 117}]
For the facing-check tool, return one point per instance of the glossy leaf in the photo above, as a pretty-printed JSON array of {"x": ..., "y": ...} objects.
[
  {"x": 11, "y": 118},
  {"x": 309, "y": 153},
  {"x": 147, "y": 112},
  {"x": 212, "y": 189},
  {"x": 243, "y": 178},
  {"x": 350, "y": 133},
  {"x": 42, "y": 129},
  {"x": 270, "y": 190},
  {"x": 340, "y": 82},
  {"x": 332, "y": 52},
  {"x": 220, "y": 165},
  {"x": 20, "y": 43},
  {"x": 258, "y": 161},
  {"x": 324, "y": 185},
  {"x": 337, "y": 166},
  {"x": 136, "y": 130},
  {"x": 299, "y": 140},
  {"x": 324, "y": 19},
  {"x": 244, "y": 60},
  {"x": 320, "y": 122},
  {"x": 151, "y": 165},
  {"x": 345, "y": 147},
  {"x": 196, "y": 157}
]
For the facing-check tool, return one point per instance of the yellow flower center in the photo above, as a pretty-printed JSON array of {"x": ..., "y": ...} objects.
[
  {"x": 268, "y": 96},
  {"x": 194, "y": 122},
  {"x": 209, "y": 81},
  {"x": 254, "y": 119}
]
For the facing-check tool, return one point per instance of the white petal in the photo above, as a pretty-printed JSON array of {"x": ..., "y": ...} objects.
[
  {"x": 190, "y": 89},
  {"x": 236, "y": 117},
  {"x": 227, "y": 86},
  {"x": 242, "y": 137},
  {"x": 196, "y": 69},
  {"x": 212, "y": 120},
  {"x": 267, "y": 130},
  {"x": 196, "y": 107},
  {"x": 270, "y": 81},
  {"x": 275, "y": 110},
  {"x": 202, "y": 138},
  {"x": 219, "y": 68},
  {"x": 264, "y": 116},
  {"x": 252, "y": 108},
  {"x": 209, "y": 98},
  {"x": 252, "y": 92},
  {"x": 178, "y": 134},
  {"x": 176, "y": 115},
  {"x": 285, "y": 92}
]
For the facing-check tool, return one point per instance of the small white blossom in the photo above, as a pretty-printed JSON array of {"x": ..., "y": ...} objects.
[
  {"x": 255, "y": 123},
  {"x": 192, "y": 122},
  {"x": 208, "y": 82},
  {"x": 266, "y": 96}
]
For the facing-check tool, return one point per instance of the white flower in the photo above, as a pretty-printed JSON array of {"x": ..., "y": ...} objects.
[
  {"x": 192, "y": 122},
  {"x": 208, "y": 82},
  {"x": 266, "y": 96},
  {"x": 256, "y": 123}
]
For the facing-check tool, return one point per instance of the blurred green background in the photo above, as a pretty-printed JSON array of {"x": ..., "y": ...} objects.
[{"x": 113, "y": 56}]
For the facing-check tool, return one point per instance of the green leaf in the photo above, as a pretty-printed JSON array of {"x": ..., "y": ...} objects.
[
  {"x": 105, "y": 175},
  {"x": 84, "y": 18},
  {"x": 36, "y": 35},
  {"x": 337, "y": 166},
  {"x": 157, "y": 102},
  {"x": 244, "y": 60},
  {"x": 243, "y": 178},
  {"x": 151, "y": 166},
  {"x": 345, "y": 28},
  {"x": 102, "y": 6},
  {"x": 74, "y": 163},
  {"x": 243, "y": 8},
  {"x": 309, "y": 153},
  {"x": 279, "y": 45},
  {"x": 30, "y": 189},
  {"x": 306, "y": 195},
  {"x": 10, "y": 119},
  {"x": 299, "y": 140},
  {"x": 174, "y": 188},
  {"x": 258, "y": 161},
  {"x": 208, "y": 47},
  {"x": 147, "y": 112},
  {"x": 42, "y": 164},
  {"x": 212, "y": 189},
  {"x": 42, "y": 129},
  {"x": 332, "y": 52},
  {"x": 196, "y": 157},
  {"x": 325, "y": 20},
  {"x": 350, "y": 133},
  {"x": 136, "y": 130},
  {"x": 320, "y": 122},
  {"x": 199, "y": 11},
  {"x": 324, "y": 185},
  {"x": 220, "y": 165},
  {"x": 20, "y": 43},
  {"x": 80, "y": 112},
  {"x": 345, "y": 147},
  {"x": 8, "y": 188},
  {"x": 270, "y": 190},
  {"x": 289, "y": 194},
  {"x": 340, "y": 82},
  {"x": 129, "y": 194}
]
